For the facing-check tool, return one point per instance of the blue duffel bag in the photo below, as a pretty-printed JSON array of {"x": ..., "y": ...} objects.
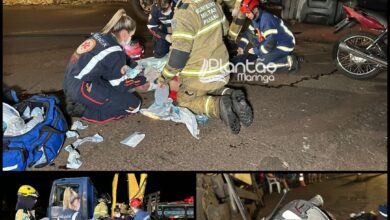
[{"x": 41, "y": 145}]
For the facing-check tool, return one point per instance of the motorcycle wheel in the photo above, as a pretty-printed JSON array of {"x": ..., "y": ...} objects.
[{"x": 355, "y": 67}]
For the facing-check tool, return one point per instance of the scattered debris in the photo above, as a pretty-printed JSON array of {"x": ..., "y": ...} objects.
[
  {"x": 163, "y": 109},
  {"x": 77, "y": 125},
  {"x": 134, "y": 139},
  {"x": 74, "y": 161}
]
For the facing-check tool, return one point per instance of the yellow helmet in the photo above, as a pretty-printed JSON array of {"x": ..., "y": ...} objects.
[{"x": 27, "y": 190}]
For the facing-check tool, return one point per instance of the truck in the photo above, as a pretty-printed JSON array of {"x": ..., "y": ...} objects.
[
  {"x": 83, "y": 186},
  {"x": 136, "y": 189},
  {"x": 326, "y": 12},
  {"x": 180, "y": 210}
]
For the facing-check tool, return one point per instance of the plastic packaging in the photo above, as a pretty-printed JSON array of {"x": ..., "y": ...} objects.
[
  {"x": 134, "y": 139},
  {"x": 77, "y": 125},
  {"x": 74, "y": 161},
  {"x": 161, "y": 95},
  {"x": 132, "y": 73},
  {"x": 71, "y": 134},
  {"x": 12, "y": 117},
  {"x": 163, "y": 109},
  {"x": 202, "y": 119},
  {"x": 96, "y": 139},
  {"x": 37, "y": 112},
  {"x": 27, "y": 113},
  {"x": 155, "y": 63},
  {"x": 15, "y": 124}
]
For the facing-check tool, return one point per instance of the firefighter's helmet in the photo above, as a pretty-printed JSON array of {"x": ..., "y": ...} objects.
[
  {"x": 27, "y": 190},
  {"x": 247, "y": 6},
  {"x": 135, "y": 203}
]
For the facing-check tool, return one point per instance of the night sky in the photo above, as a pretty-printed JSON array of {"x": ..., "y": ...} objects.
[{"x": 173, "y": 186}]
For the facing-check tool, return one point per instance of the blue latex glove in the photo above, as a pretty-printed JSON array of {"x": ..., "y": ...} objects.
[{"x": 132, "y": 73}]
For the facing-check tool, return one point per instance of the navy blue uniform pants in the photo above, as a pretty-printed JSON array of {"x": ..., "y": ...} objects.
[
  {"x": 103, "y": 102},
  {"x": 275, "y": 56},
  {"x": 161, "y": 46}
]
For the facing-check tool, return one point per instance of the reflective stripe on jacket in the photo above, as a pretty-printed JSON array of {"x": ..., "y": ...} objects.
[{"x": 197, "y": 46}]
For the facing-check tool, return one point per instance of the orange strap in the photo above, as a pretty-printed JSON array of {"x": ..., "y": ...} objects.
[{"x": 259, "y": 35}]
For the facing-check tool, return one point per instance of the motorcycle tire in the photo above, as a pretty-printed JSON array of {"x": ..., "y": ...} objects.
[{"x": 364, "y": 76}]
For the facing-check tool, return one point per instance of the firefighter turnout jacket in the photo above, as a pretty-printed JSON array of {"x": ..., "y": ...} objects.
[
  {"x": 198, "y": 28},
  {"x": 238, "y": 18},
  {"x": 101, "y": 210}
]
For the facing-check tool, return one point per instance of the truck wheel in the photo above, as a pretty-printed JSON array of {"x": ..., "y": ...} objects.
[
  {"x": 141, "y": 8},
  {"x": 290, "y": 9}
]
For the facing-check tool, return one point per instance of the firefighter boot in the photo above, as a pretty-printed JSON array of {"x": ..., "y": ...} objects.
[
  {"x": 227, "y": 115},
  {"x": 294, "y": 62},
  {"x": 242, "y": 108}
]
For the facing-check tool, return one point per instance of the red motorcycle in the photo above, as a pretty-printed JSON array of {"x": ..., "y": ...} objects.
[{"x": 362, "y": 55}]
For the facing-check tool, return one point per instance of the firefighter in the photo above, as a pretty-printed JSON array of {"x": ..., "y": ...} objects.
[
  {"x": 100, "y": 75},
  {"x": 238, "y": 17},
  {"x": 101, "y": 209},
  {"x": 140, "y": 214},
  {"x": 272, "y": 41},
  {"x": 200, "y": 61},
  {"x": 159, "y": 24},
  {"x": 27, "y": 198}
]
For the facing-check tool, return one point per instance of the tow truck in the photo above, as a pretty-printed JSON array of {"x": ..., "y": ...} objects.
[{"x": 136, "y": 189}]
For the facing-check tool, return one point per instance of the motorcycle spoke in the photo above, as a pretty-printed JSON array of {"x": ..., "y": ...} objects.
[
  {"x": 360, "y": 69},
  {"x": 358, "y": 65},
  {"x": 350, "y": 66},
  {"x": 344, "y": 61},
  {"x": 368, "y": 68},
  {"x": 345, "y": 58},
  {"x": 354, "y": 71},
  {"x": 347, "y": 63}
]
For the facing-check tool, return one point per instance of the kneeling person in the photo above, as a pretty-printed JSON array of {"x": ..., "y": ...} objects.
[
  {"x": 198, "y": 30},
  {"x": 159, "y": 24},
  {"x": 272, "y": 41},
  {"x": 97, "y": 74}
]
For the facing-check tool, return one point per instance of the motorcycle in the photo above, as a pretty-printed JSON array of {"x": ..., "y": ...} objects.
[{"x": 361, "y": 55}]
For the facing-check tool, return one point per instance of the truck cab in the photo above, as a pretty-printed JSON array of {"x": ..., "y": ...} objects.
[{"x": 83, "y": 186}]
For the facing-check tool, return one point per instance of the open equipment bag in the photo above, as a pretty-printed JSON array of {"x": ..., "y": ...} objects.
[{"x": 39, "y": 146}]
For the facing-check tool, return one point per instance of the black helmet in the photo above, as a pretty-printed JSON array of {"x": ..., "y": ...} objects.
[{"x": 105, "y": 197}]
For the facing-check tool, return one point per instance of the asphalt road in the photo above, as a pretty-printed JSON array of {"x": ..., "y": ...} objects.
[
  {"x": 342, "y": 194},
  {"x": 315, "y": 120}
]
